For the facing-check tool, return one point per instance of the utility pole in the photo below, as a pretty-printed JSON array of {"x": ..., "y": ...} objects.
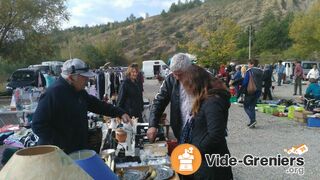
[{"x": 250, "y": 28}]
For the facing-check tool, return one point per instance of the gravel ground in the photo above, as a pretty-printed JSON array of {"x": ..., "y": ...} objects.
[{"x": 270, "y": 137}]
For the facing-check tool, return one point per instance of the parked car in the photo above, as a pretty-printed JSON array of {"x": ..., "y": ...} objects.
[
  {"x": 55, "y": 66},
  {"x": 25, "y": 77}
]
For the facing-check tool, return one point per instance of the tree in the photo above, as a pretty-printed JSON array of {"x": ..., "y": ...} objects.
[
  {"x": 20, "y": 17},
  {"x": 111, "y": 49},
  {"x": 305, "y": 32},
  {"x": 163, "y": 13},
  {"x": 173, "y": 8},
  {"x": 132, "y": 18},
  {"x": 273, "y": 34},
  {"x": 220, "y": 44},
  {"x": 92, "y": 56}
]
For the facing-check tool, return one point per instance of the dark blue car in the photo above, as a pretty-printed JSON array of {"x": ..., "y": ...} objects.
[{"x": 25, "y": 77}]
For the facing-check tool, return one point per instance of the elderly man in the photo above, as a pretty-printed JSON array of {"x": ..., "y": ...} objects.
[
  {"x": 172, "y": 91},
  {"x": 61, "y": 116}
]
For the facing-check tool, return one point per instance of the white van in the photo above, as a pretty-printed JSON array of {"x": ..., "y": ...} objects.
[
  {"x": 151, "y": 68},
  {"x": 289, "y": 68},
  {"x": 55, "y": 66}
]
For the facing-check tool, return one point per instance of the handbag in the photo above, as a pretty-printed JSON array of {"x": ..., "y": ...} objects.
[
  {"x": 251, "y": 89},
  {"x": 186, "y": 133}
]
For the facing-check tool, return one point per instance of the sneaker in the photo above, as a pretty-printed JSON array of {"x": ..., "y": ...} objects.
[{"x": 252, "y": 125}]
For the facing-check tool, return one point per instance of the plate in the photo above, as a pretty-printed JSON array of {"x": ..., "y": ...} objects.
[
  {"x": 132, "y": 174},
  {"x": 163, "y": 172}
]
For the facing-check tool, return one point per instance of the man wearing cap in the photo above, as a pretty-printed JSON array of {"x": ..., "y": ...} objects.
[
  {"x": 61, "y": 116},
  {"x": 172, "y": 91}
]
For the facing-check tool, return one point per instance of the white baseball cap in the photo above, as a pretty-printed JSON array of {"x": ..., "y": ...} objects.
[{"x": 76, "y": 66}]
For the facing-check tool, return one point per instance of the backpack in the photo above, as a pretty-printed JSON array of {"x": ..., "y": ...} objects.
[{"x": 251, "y": 89}]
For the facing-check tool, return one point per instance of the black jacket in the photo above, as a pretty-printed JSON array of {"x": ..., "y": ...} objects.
[
  {"x": 130, "y": 98},
  {"x": 169, "y": 92},
  {"x": 208, "y": 134},
  {"x": 267, "y": 78},
  {"x": 61, "y": 116}
]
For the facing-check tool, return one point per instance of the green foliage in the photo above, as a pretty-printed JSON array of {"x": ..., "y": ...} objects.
[
  {"x": 220, "y": 2},
  {"x": 92, "y": 56},
  {"x": 7, "y": 67},
  {"x": 19, "y": 18},
  {"x": 168, "y": 30},
  {"x": 111, "y": 50},
  {"x": 273, "y": 34},
  {"x": 163, "y": 13},
  {"x": 220, "y": 46},
  {"x": 305, "y": 32},
  {"x": 178, "y": 35},
  {"x": 243, "y": 39},
  {"x": 242, "y": 54},
  {"x": 183, "y": 6}
]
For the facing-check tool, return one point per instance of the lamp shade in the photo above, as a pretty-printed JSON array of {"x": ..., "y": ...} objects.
[
  {"x": 42, "y": 162},
  {"x": 89, "y": 161}
]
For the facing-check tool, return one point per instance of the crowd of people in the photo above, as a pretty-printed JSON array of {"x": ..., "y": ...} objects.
[{"x": 199, "y": 105}]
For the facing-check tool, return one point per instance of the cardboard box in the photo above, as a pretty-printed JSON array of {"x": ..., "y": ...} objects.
[
  {"x": 302, "y": 120},
  {"x": 301, "y": 116}
]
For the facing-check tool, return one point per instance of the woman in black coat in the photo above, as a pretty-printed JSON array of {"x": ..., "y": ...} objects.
[
  {"x": 210, "y": 116},
  {"x": 130, "y": 94}
]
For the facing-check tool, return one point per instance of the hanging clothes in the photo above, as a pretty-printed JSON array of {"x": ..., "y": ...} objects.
[
  {"x": 101, "y": 84},
  {"x": 107, "y": 84}
]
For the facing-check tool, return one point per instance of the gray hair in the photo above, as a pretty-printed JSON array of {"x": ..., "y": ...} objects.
[{"x": 180, "y": 62}]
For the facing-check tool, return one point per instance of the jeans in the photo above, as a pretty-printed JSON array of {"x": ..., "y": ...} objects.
[
  {"x": 280, "y": 76},
  {"x": 249, "y": 105}
]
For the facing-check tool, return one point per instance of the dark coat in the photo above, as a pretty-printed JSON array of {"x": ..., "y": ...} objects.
[
  {"x": 208, "y": 134},
  {"x": 267, "y": 78},
  {"x": 130, "y": 98},
  {"x": 61, "y": 116},
  {"x": 169, "y": 93}
]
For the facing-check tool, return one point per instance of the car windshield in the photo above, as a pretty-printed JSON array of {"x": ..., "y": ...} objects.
[
  {"x": 23, "y": 76},
  {"x": 308, "y": 65}
]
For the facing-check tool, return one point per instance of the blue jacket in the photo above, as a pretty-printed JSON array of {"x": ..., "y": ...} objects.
[
  {"x": 61, "y": 116},
  {"x": 314, "y": 90},
  {"x": 280, "y": 69}
]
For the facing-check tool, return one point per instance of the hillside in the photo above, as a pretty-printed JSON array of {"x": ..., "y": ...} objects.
[{"x": 159, "y": 36}]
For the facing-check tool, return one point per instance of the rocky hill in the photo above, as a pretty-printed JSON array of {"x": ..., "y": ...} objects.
[{"x": 159, "y": 36}]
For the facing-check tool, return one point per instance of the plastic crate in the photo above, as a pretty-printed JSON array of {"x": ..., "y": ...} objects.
[
  {"x": 233, "y": 99},
  {"x": 270, "y": 110},
  {"x": 260, "y": 109},
  {"x": 281, "y": 108},
  {"x": 313, "y": 122}
]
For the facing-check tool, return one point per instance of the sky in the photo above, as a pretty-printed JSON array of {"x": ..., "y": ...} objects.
[{"x": 95, "y": 12}]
